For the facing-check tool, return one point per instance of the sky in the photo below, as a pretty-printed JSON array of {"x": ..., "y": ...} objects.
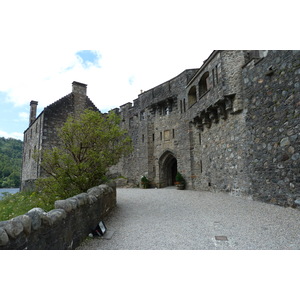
[{"x": 118, "y": 48}]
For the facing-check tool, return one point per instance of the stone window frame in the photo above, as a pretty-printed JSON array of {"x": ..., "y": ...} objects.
[
  {"x": 131, "y": 122},
  {"x": 192, "y": 96},
  {"x": 203, "y": 84}
]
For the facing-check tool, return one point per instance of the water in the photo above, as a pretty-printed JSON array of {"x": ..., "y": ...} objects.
[{"x": 11, "y": 191}]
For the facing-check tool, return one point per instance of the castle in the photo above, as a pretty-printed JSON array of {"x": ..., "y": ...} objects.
[{"x": 231, "y": 125}]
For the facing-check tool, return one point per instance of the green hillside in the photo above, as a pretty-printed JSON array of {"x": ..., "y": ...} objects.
[{"x": 10, "y": 162}]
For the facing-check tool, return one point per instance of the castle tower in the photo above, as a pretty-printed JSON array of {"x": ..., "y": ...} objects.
[{"x": 33, "y": 107}]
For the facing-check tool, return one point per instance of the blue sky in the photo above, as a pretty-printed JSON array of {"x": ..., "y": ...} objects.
[{"x": 136, "y": 46}]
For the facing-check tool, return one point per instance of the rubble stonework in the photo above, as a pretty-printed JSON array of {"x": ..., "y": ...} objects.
[
  {"x": 42, "y": 130},
  {"x": 231, "y": 125},
  {"x": 64, "y": 227}
]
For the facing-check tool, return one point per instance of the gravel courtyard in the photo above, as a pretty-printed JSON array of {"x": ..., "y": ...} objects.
[{"x": 170, "y": 219}]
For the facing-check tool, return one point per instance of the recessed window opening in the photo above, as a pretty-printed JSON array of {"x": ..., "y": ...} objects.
[
  {"x": 203, "y": 86},
  {"x": 192, "y": 96},
  {"x": 173, "y": 133}
]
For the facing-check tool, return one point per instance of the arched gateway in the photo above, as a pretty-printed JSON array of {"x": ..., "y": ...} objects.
[{"x": 167, "y": 169}]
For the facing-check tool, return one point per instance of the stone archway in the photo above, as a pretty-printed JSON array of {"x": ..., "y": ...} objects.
[{"x": 167, "y": 169}]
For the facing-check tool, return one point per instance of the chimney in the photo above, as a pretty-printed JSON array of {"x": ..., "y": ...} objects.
[
  {"x": 33, "y": 106},
  {"x": 79, "y": 88}
]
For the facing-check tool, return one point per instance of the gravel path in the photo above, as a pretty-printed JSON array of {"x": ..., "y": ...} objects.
[{"x": 171, "y": 219}]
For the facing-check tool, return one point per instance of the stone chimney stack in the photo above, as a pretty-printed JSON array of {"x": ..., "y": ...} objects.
[
  {"x": 80, "y": 98},
  {"x": 33, "y": 106},
  {"x": 79, "y": 88}
]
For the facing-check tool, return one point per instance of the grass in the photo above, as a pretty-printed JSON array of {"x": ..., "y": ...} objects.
[{"x": 13, "y": 205}]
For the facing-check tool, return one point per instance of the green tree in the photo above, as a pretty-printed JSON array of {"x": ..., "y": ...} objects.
[
  {"x": 89, "y": 145},
  {"x": 10, "y": 162}
]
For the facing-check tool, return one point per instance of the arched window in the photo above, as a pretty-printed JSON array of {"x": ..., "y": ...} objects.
[
  {"x": 192, "y": 96},
  {"x": 203, "y": 87}
]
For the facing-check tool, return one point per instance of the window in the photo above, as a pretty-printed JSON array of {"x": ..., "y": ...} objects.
[
  {"x": 192, "y": 96},
  {"x": 165, "y": 110},
  {"x": 153, "y": 137},
  {"x": 143, "y": 138},
  {"x": 173, "y": 133},
  {"x": 203, "y": 86}
]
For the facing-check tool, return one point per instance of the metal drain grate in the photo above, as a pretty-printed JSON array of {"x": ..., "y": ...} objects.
[{"x": 221, "y": 238}]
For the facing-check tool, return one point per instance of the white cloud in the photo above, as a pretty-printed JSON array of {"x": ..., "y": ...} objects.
[
  {"x": 23, "y": 116},
  {"x": 141, "y": 44},
  {"x": 47, "y": 76},
  {"x": 133, "y": 40},
  {"x": 14, "y": 135}
]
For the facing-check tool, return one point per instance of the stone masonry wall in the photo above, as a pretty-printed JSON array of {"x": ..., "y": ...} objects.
[
  {"x": 43, "y": 132},
  {"x": 216, "y": 127},
  {"x": 152, "y": 123},
  {"x": 65, "y": 227},
  {"x": 272, "y": 88},
  {"x": 32, "y": 142}
]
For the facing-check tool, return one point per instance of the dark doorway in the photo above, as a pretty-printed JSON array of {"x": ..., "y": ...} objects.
[
  {"x": 173, "y": 171},
  {"x": 168, "y": 169}
]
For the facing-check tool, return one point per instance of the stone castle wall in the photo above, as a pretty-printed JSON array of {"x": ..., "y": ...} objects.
[
  {"x": 272, "y": 90},
  {"x": 65, "y": 227},
  {"x": 197, "y": 119},
  {"x": 231, "y": 125},
  {"x": 153, "y": 123},
  {"x": 43, "y": 132},
  {"x": 33, "y": 139}
]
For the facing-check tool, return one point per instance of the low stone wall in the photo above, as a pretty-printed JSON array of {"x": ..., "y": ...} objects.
[{"x": 64, "y": 227}]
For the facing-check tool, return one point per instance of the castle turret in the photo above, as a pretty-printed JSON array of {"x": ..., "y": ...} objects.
[{"x": 33, "y": 106}]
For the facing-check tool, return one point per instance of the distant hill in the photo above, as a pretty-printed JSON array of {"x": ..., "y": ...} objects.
[{"x": 10, "y": 162}]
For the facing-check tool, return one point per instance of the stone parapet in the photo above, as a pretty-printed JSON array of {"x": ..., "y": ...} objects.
[{"x": 64, "y": 227}]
